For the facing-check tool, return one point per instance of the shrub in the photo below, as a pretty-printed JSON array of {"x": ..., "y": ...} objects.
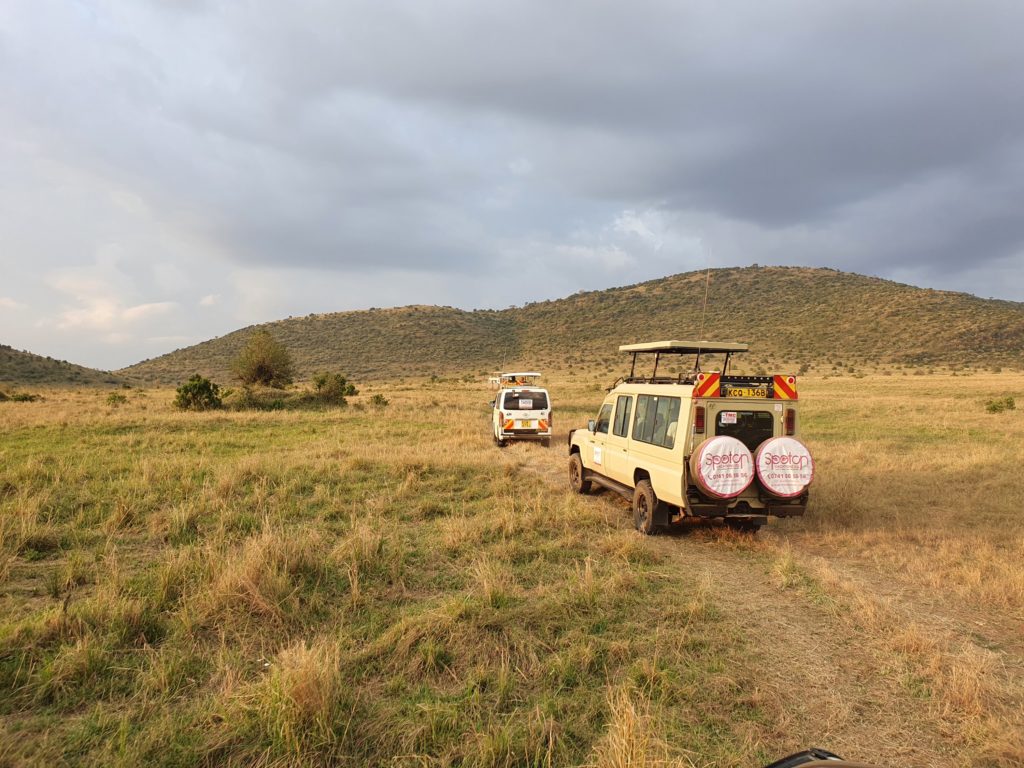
[
  {"x": 333, "y": 388},
  {"x": 1001, "y": 404},
  {"x": 379, "y": 401},
  {"x": 115, "y": 399},
  {"x": 198, "y": 394},
  {"x": 24, "y": 397},
  {"x": 264, "y": 360}
]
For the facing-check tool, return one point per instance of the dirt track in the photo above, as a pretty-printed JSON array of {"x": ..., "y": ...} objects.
[{"x": 828, "y": 679}]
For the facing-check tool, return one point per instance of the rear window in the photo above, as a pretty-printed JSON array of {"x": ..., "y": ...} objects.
[
  {"x": 526, "y": 400},
  {"x": 749, "y": 427}
]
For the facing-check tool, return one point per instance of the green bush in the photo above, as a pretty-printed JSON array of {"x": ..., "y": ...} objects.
[
  {"x": 24, "y": 397},
  {"x": 115, "y": 399},
  {"x": 198, "y": 394},
  {"x": 1001, "y": 404},
  {"x": 379, "y": 401},
  {"x": 333, "y": 388},
  {"x": 265, "y": 361}
]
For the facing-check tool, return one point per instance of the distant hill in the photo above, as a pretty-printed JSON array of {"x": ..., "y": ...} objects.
[
  {"x": 19, "y": 368},
  {"x": 792, "y": 317}
]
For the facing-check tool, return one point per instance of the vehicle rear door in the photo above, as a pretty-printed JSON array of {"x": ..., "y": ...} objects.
[{"x": 525, "y": 408}]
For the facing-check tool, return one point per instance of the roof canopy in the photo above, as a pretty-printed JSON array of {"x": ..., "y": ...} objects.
[
  {"x": 685, "y": 347},
  {"x": 523, "y": 375}
]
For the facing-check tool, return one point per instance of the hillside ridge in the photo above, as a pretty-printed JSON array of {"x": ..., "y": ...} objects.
[
  {"x": 18, "y": 367},
  {"x": 813, "y": 317}
]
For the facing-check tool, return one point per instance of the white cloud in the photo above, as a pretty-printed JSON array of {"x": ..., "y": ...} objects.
[
  {"x": 210, "y": 300},
  {"x": 9, "y": 303}
]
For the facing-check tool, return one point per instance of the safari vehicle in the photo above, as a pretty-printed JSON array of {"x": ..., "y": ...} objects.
[
  {"x": 521, "y": 410},
  {"x": 701, "y": 443}
]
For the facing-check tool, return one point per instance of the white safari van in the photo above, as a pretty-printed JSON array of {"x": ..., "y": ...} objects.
[
  {"x": 701, "y": 443},
  {"x": 521, "y": 410}
]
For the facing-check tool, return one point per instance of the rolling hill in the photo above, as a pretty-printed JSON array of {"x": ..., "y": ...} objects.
[
  {"x": 793, "y": 317},
  {"x": 25, "y": 368}
]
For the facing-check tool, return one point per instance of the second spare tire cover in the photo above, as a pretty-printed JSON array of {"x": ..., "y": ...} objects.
[
  {"x": 722, "y": 467},
  {"x": 784, "y": 466}
]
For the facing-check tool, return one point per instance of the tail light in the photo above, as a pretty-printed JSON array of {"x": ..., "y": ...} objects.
[
  {"x": 551, "y": 419},
  {"x": 698, "y": 420},
  {"x": 790, "y": 422}
]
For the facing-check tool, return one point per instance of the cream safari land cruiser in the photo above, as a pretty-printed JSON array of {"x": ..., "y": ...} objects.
[
  {"x": 701, "y": 444},
  {"x": 520, "y": 409}
]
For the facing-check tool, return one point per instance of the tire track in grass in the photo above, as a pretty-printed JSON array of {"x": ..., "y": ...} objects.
[{"x": 818, "y": 683}]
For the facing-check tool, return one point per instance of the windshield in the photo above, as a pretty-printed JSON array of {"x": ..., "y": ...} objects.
[{"x": 526, "y": 400}]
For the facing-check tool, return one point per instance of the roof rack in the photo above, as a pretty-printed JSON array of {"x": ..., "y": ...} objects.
[
  {"x": 520, "y": 375},
  {"x": 659, "y": 348}
]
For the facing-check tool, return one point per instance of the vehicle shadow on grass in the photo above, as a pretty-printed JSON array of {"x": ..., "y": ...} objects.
[{"x": 696, "y": 529}]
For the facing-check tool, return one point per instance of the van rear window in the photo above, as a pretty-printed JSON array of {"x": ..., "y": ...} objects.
[
  {"x": 526, "y": 400},
  {"x": 749, "y": 427}
]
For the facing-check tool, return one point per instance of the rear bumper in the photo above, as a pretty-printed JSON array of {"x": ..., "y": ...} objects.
[
  {"x": 525, "y": 434},
  {"x": 700, "y": 506}
]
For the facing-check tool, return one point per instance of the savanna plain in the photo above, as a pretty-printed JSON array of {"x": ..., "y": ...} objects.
[{"x": 384, "y": 586}]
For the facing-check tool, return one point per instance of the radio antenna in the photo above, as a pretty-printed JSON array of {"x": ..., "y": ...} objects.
[{"x": 704, "y": 309}]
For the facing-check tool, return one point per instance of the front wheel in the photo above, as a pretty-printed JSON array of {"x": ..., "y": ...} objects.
[
  {"x": 576, "y": 481},
  {"x": 644, "y": 504}
]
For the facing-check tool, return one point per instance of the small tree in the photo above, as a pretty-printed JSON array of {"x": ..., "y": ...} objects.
[
  {"x": 264, "y": 361},
  {"x": 333, "y": 388},
  {"x": 198, "y": 394}
]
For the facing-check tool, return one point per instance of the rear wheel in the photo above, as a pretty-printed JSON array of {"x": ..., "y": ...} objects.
[
  {"x": 644, "y": 504},
  {"x": 576, "y": 481},
  {"x": 546, "y": 442}
]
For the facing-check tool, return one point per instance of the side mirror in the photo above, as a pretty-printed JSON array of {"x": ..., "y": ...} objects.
[
  {"x": 492, "y": 403},
  {"x": 591, "y": 425}
]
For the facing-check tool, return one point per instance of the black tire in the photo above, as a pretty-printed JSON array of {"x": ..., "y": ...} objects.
[
  {"x": 576, "y": 481},
  {"x": 546, "y": 442},
  {"x": 500, "y": 443},
  {"x": 645, "y": 503}
]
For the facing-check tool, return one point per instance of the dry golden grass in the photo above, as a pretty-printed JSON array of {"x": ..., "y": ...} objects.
[{"x": 386, "y": 587}]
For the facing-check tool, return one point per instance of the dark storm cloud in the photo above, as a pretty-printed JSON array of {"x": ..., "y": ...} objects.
[{"x": 598, "y": 142}]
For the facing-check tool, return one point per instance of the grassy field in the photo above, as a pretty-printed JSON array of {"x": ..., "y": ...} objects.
[{"x": 384, "y": 587}]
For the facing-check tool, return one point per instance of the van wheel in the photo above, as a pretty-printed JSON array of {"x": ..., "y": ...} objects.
[
  {"x": 546, "y": 442},
  {"x": 576, "y": 481},
  {"x": 500, "y": 443},
  {"x": 644, "y": 504}
]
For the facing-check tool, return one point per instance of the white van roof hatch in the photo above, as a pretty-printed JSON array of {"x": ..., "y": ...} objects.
[{"x": 516, "y": 377}]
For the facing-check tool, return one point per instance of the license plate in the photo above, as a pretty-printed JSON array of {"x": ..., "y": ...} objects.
[
  {"x": 761, "y": 392},
  {"x": 528, "y": 424}
]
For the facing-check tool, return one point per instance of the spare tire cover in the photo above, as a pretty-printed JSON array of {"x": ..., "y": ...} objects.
[
  {"x": 784, "y": 466},
  {"x": 722, "y": 467}
]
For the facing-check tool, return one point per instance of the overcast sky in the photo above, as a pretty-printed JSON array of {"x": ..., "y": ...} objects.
[{"x": 172, "y": 170}]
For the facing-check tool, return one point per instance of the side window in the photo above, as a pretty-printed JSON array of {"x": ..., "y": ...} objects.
[
  {"x": 622, "y": 408},
  {"x": 657, "y": 419},
  {"x": 604, "y": 418}
]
